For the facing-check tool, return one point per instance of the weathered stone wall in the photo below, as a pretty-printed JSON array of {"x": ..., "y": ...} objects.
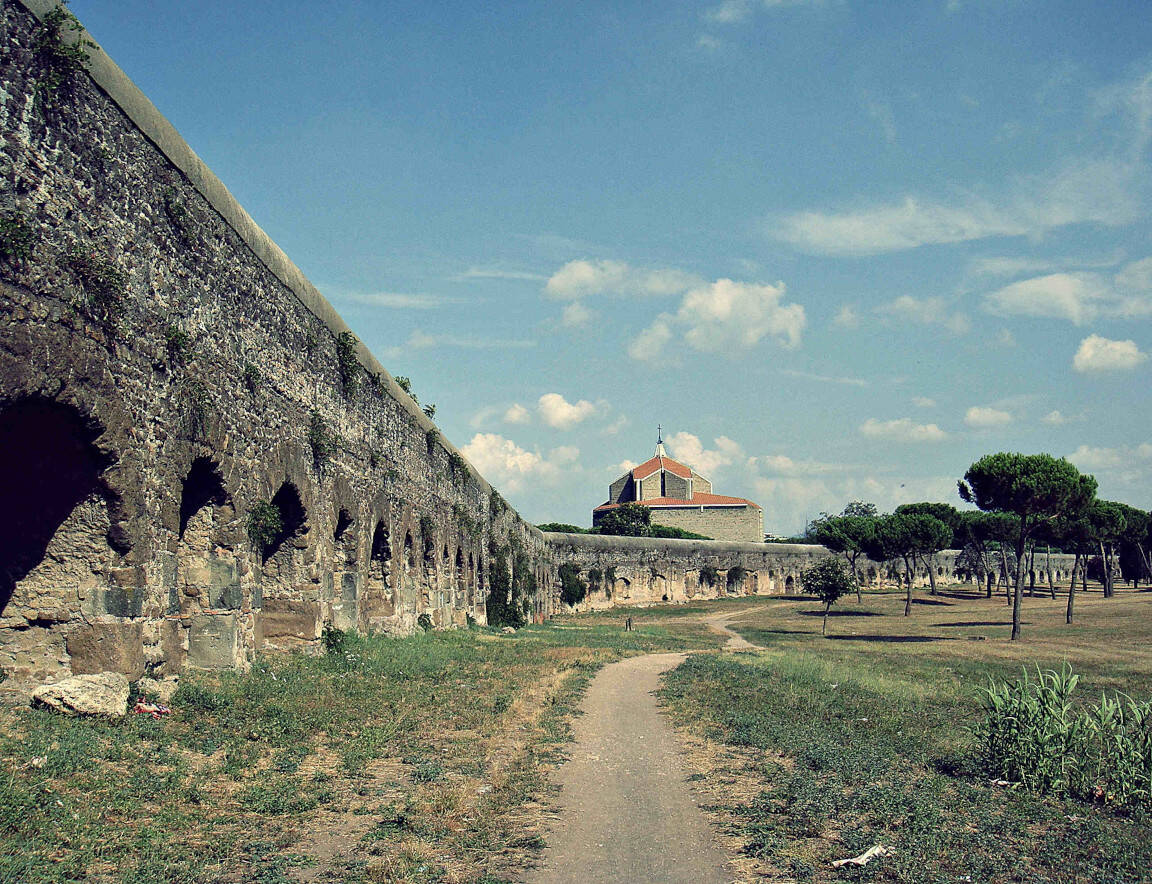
[
  {"x": 166, "y": 374},
  {"x": 742, "y": 524},
  {"x": 643, "y": 571}
]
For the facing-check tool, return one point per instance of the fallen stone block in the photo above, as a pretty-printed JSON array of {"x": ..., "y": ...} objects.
[{"x": 105, "y": 693}]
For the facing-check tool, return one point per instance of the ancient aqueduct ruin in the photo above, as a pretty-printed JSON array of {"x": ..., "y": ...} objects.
[{"x": 168, "y": 377}]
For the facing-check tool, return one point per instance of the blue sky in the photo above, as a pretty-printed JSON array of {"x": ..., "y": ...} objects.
[{"x": 838, "y": 249}]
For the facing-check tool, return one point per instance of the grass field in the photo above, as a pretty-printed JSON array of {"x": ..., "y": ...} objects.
[
  {"x": 417, "y": 759},
  {"x": 816, "y": 749},
  {"x": 426, "y": 759}
]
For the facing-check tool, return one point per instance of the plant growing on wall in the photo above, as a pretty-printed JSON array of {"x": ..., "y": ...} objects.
[
  {"x": 430, "y": 410},
  {"x": 430, "y": 440},
  {"x": 252, "y": 378},
  {"x": 199, "y": 404},
  {"x": 405, "y": 384},
  {"x": 16, "y": 237},
  {"x": 264, "y": 525},
  {"x": 180, "y": 217},
  {"x": 573, "y": 590},
  {"x": 736, "y": 576},
  {"x": 58, "y": 59},
  {"x": 321, "y": 439},
  {"x": 457, "y": 468},
  {"x": 709, "y": 575},
  {"x": 175, "y": 342},
  {"x": 104, "y": 284},
  {"x": 347, "y": 363}
]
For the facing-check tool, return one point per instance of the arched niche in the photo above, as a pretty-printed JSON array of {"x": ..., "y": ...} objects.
[
  {"x": 379, "y": 592},
  {"x": 207, "y": 577},
  {"x": 345, "y": 573},
  {"x": 55, "y": 551}
]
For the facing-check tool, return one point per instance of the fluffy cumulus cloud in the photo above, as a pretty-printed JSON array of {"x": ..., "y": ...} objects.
[
  {"x": 924, "y": 311},
  {"x": 723, "y": 316},
  {"x": 1055, "y": 417},
  {"x": 707, "y": 461},
  {"x": 559, "y": 413},
  {"x": 982, "y": 417},
  {"x": 847, "y": 317},
  {"x": 517, "y": 414},
  {"x": 576, "y": 315},
  {"x": 508, "y": 466},
  {"x": 923, "y": 402},
  {"x": 579, "y": 279},
  {"x": 1098, "y": 354},
  {"x": 902, "y": 430}
]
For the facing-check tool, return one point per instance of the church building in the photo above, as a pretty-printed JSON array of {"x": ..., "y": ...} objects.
[{"x": 680, "y": 497}]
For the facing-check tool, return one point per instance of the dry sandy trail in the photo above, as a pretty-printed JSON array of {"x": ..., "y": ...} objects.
[{"x": 626, "y": 812}]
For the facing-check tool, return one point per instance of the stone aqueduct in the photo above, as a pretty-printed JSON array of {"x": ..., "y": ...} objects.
[{"x": 167, "y": 373}]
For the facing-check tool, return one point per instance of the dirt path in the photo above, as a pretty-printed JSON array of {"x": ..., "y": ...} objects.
[
  {"x": 626, "y": 810},
  {"x": 719, "y": 623}
]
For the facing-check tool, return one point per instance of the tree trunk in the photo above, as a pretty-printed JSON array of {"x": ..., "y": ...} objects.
[
  {"x": 1147, "y": 565},
  {"x": 909, "y": 572},
  {"x": 855, "y": 578},
  {"x": 824, "y": 628},
  {"x": 988, "y": 583},
  {"x": 1032, "y": 572},
  {"x": 1048, "y": 567},
  {"x": 1105, "y": 561},
  {"x": 928, "y": 562},
  {"x": 1072, "y": 589},
  {"x": 1021, "y": 562}
]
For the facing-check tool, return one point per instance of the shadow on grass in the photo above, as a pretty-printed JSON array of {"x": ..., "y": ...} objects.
[
  {"x": 835, "y": 613},
  {"x": 887, "y": 639},
  {"x": 981, "y": 623},
  {"x": 933, "y": 602}
]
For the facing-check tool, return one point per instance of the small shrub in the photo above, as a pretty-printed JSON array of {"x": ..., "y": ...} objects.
[
  {"x": 457, "y": 467},
  {"x": 405, "y": 384},
  {"x": 59, "y": 60},
  {"x": 424, "y": 622},
  {"x": 104, "y": 284},
  {"x": 199, "y": 404},
  {"x": 735, "y": 578},
  {"x": 709, "y": 575},
  {"x": 430, "y": 439},
  {"x": 180, "y": 217},
  {"x": 347, "y": 363},
  {"x": 16, "y": 237},
  {"x": 252, "y": 378},
  {"x": 176, "y": 342},
  {"x": 828, "y": 580},
  {"x": 335, "y": 641},
  {"x": 430, "y": 410},
  {"x": 264, "y": 524},
  {"x": 573, "y": 590},
  {"x": 321, "y": 439}
]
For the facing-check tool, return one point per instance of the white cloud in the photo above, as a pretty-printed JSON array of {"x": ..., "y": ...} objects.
[
  {"x": 824, "y": 378},
  {"x": 1089, "y": 458},
  {"x": 575, "y": 315},
  {"x": 497, "y": 273},
  {"x": 1005, "y": 338},
  {"x": 923, "y": 402},
  {"x": 578, "y": 279},
  {"x": 902, "y": 430},
  {"x": 1005, "y": 266},
  {"x": 394, "y": 300},
  {"x": 1101, "y": 354},
  {"x": 648, "y": 346},
  {"x": 1073, "y": 296},
  {"x": 559, "y": 413},
  {"x": 847, "y": 317},
  {"x": 687, "y": 448},
  {"x": 925, "y": 311},
  {"x": 508, "y": 466},
  {"x": 1136, "y": 276},
  {"x": 782, "y": 465},
  {"x": 982, "y": 416},
  {"x": 725, "y": 316},
  {"x": 419, "y": 340},
  {"x": 730, "y": 12},
  {"x": 1055, "y": 417},
  {"x": 517, "y": 414}
]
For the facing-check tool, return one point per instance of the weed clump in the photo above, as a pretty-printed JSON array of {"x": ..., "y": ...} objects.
[
  {"x": 1033, "y": 735},
  {"x": 347, "y": 364},
  {"x": 16, "y": 237},
  {"x": 264, "y": 524},
  {"x": 58, "y": 59},
  {"x": 104, "y": 284}
]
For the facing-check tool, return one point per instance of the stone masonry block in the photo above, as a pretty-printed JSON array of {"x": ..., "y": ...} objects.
[{"x": 107, "y": 647}]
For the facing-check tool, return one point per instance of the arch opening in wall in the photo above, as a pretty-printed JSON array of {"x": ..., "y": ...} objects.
[
  {"x": 50, "y": 467},
  {"x": 409, "y": 551},
  {"x": 293, "y": 519},
  {"x": 381, "y": 557},
  {"x": 789, "y": 583},
  {"x": 202, "y": 487},
  {"x": 343, "y": 523}
]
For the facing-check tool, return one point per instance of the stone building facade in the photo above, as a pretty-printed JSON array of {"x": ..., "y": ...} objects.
[
  {"x": 197, "y": 457},
  {"x": 679, "y": 497}
]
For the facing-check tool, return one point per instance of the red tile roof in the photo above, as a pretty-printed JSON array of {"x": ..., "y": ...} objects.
[
  {"x": 658, "y": 462},
  {"x": 697, "y": 500}
]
